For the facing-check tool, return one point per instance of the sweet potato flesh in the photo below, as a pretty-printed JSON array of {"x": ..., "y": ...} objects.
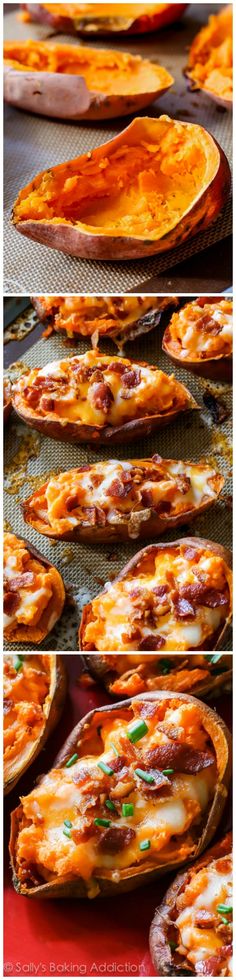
[
  {"x": 140, "y": 185},
  {"x": 25, "y": 689},
  {"x": 106, "y": 72},
  {"x": 211, "y": 56}
]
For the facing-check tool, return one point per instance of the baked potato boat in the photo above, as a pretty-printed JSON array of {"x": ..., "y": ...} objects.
[
  {"x": 112, "y": 18},
  {"x": 138, "y": 788},
  {"x": 97, "y": 398},
  {"x": 7, "y": 404},
  {"x": 119, "y": 501},
  {"x": 118, "y": 318},
  {"x": 145, "y": 191},
  {"x": 171, "y": 596},
  {"x": 66, "y": 81},
  {"x": 210, "y": 64},
  {"x": 128, "y": 674},
  {"x": 34, "y": 687},
  {"x": 191, "y": 933},
  {"x": 200, "y": 338},
  {"x": 34, "y": 593}
]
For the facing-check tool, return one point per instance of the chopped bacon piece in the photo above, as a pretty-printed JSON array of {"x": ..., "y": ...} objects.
[
  {"x": 207, "y": 324},
  {"x": 119, "y": 487},
  {"x": 115, "y": 839},
  {"x": 204, "y": 919},
  {"x": 21, "y": 581},
  {"x": 147, "y": 498},
  {"x": 183, "y": 608},
  {"x": 81, "y": 836},
  {"x": 160, "y": 591},
  {"x": 132, "y": 378},
  {"x": 117, "y": 367},
  {"x": 47, "y": 403},
  {"x": 200, "y": 595},
  {"x": 212, "y": 966},
  {"x": 152, "y": 642},
  {"x": 160, "y": 783},
  {"x": 72, "y": 502},
  {"x": 183, "y": 483},
  {"x": 190, "y": 553},
  {"x": 10, "y": 602},
  {"x": 102, "y": 397},
  {"x": 180, "y": 757}
]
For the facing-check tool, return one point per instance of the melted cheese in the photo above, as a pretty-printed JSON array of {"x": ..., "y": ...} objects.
[
  {"x": 208, "y": 888},
  {"x": 108, "y": 315}
]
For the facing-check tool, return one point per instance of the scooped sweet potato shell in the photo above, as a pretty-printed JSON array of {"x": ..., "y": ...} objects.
[
  {"x": 103, "y": 18},
  {"x": 66, "y": 81},
  {"x": 145, "y": 191}
]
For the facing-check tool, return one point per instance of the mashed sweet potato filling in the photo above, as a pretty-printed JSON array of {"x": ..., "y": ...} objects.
[
  {"x": 107, "y": 72},
  {"x": 211, "y": 56},
  {"x": 140, "y": 185},
  {"x": 26, "y": 684}
]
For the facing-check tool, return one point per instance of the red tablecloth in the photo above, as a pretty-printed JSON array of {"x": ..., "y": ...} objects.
[{"x": 107, "y": 937}]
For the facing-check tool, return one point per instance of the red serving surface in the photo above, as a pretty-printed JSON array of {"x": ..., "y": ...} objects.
[{"x": 107, "y": 937}]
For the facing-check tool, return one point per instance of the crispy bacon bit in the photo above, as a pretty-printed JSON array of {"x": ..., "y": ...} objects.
[
  {"x": 21, "y": 581},
  {"x": 183, "y": 483},
  {"x": 102, "y": 397},
  {"x": 31, "y": 395},
  {"x": 212, "y": 966},
  {"x": 117, "y": 367},
  {"x": 204, "y": 919},
  {"x": 132, "y": 378},
  {"x": 72, "y": 502},
  {"x": 201, "y": 595},
  {"x": 180, "y": 757},
  {"x": 47, "y": 403},
  {"x": 115, "y": 839},
  {"x": 160, "y": 591},
  {"x": 157, "y": 459},
  {"x": 207, "y": 324},
  {"x": 152, "y": 642},
  {"x": 160, "y": 783},
  {"x": 120, "y": 487},
  {"x": 183, "y": 608},
  {"x": 10, "y": 603},
  {"x": 190, "y": 553},
  {"x": 81, "y": 836},
  {"x": 147, "y": 498}
]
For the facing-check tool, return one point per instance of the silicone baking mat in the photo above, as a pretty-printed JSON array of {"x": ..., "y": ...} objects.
[
  {"x": 30, "y": 458},
  {"x": 33, "y": 144}
]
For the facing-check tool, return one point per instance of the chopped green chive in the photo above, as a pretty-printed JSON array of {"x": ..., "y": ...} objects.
[
  {"x": 165, "y": 665},
  {"x": 18, "y": 662},
  {"x": 115, "y": 750},
  {"x": 102, "y": 823},
  {"x": 213, "y": 657},
  {"x": 146, "y": 776},
  {"x": 145, "y": 845},
  {"x": 167, "y": 772},
  {"x": 110, "y": 805},
  {"x": 226, "y": 909},
  {"x": 107, "y": 769},
  {"x": 127, "y": 809},
  {"x": 72, "y": 760},
  {"x": 224, "y": 920},
  {"x": 68, "y": 823},
  {"x": 136, "y": 731},
  {"x": 67, "y": 833},
  {"x": 172, "y": 945}
]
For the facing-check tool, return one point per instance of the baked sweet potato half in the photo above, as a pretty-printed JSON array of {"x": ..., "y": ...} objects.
[
  {"x": 171, "y": 596},
  {"x": 66, "y": 81},
  {"x": 147, "y": 190},
  {"x": 119, "y": 501},
  {"x": 138, "y": 788},
  {"x": 103, "y": 18},
  {"x": 200, "y": 338},
  {"x": 98, "y": 398},
  {"x": 128, "y": 674},
  {"x": 34, "y": 687},
  {"x": 7, "y": 404},
  {"x": 119, "y": 318},
  {"x": 34, "y": 593},
  {"x": 210, "y": 64},
  {"x": 191, "y": 933}
]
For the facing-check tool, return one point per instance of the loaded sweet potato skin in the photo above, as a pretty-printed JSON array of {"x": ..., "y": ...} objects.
[
  {"x": 210, "y": 64},
  {"x": 164, "y": 932},
  {"x": 130, "y": 674},
  {"x": 119, "y": 318},
  {"x": 118, "y": 501},
  {"x": 205, "y": 754},
  {"x": 121, "y": 18},
  {"x": 200, "y": 338},
  {"x": 65, "y": 81},
  {"x": 34, "y": 593},
  {"x": 73, "y": 207},
  {"x": 99, "y": 399},
  {"x": 38, "y": 684},
  {"x": 132, "y": 611}
]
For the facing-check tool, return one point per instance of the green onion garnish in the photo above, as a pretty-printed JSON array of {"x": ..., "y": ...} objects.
[
  {"x": 68, "y": 823},
  {"x": 110, "y": 805},
  {"x": 18, "y": 662},
  {"x": 167, "y": 772},
  {"x": 146, "y": 776},
  {"x": 145, "y": 845},
  {"x": 213, "y": 657},
  {"x": 172, "y": 945},
  {"x": 72, "y": 760},
  {"x": 99, "y": 822},
  {"x": 114, "y": 748},
  {"x": 226, "y": 909},
  {"x": 224, "y": 920},
  {"x": 107, "y": 769},
  {"x": 127, "y": 809},
  {"x": 67, "y": 833},
  {"x": 136, "y": 731},
  {"x": 165, "y": 665}
]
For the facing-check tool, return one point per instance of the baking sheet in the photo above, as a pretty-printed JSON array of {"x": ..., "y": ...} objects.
[
  {"x": 33, "y": 144},
  {"x": 30, "y": 458}
]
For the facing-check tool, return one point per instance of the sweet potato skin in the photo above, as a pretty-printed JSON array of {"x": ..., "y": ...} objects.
[
  {"x": 214, "y": 368},
  {"x": 160, "y": 949},
  {"x": 206, "y": 689},
  {"x": 137, "y": 560},
  {"x": 23, "y": 633},
  {"x": 144, "y": 323},
  {"x": 58, "y": 686},
  {"x": 131, "y": 878},
  {"x": 118, "y": 532},
  {"x": 141, "y": 25},
  {"x": 80, "y": 243}
]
